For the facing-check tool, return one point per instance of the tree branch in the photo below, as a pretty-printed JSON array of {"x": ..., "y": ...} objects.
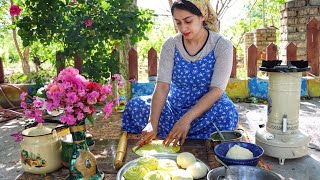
[
  {"x": 23, "y": 57},
  {"x": 222, "y": 6},
  {"x": 224, "y": 10},
  {"x": 14, "y": 34}
]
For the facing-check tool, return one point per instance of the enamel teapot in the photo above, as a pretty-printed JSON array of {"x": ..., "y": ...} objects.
[{"x": 40, "y": 150}]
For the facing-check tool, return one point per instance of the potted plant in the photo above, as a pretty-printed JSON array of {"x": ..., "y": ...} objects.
[{"x": 73, "y": 98}]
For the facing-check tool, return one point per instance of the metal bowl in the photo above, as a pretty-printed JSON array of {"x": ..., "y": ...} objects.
[
  {"x": 235, "y": 135},
  {"x": 244, "y": 172},
  {"x": 159, "y": 156}
]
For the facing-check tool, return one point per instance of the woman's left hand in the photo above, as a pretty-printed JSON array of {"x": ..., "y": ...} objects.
[{"x": 178, "y": 133}]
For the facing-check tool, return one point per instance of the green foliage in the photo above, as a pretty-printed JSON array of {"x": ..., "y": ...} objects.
[
  {"x": 44, "y": 53},
  {"x": 16, "y": 78},
  {"x": 7, "y": 48},
  {"x": 8, "y": 51},
  {"x": 161, "y": 31},
  {"x": 38, "y": 80},
  {"x": 61, "y": 23},
  {"x": 254, "y": 20},
  {"x": 156, "y": 37},
  {"x": 242, "y": 73}
]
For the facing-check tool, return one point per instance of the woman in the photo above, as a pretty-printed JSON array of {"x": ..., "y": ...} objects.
[{"x": 193, "y": 73}]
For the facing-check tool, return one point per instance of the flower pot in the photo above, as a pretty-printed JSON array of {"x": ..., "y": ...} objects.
[
  {"x": 83, "y": 164},
  {"x": 40, "y": 150}
]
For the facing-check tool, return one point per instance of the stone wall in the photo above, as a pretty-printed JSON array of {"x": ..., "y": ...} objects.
[{"x": 295, "y": 15}]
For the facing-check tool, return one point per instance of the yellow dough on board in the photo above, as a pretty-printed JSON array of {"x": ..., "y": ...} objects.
[{"x": 155, "y": 147}]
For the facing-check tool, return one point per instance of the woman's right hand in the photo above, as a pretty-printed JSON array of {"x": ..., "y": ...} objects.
[{"x": 148, "y": 133}]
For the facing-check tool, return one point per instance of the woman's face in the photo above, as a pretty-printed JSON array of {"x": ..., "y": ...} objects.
[{"x": 188, "y": 24}]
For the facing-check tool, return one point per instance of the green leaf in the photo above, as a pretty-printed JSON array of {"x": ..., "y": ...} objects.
[
  {"x": 91, "y": 119},
  {"x": 105, "y": 5}
]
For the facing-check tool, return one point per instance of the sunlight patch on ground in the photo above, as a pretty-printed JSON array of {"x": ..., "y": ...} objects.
[
  {"x": 12, "y": 124},
  {"x": 10, "y": 168},
  {"x": 105, "y": 152},
  {"x": 258, "y": 115},
  {"x": 308, "y": 104},
  {"x": 315, "y": 157}
]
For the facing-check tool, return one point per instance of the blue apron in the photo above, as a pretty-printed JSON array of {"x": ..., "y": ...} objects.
[{"x": 190, "y": 81}]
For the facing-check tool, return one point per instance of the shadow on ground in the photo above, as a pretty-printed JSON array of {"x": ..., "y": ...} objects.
[{"x": 250, "y": 117}]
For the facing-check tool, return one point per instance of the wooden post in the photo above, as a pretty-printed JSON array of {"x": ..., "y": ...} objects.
[
  {"x": 152, "y": 62},
  {"x": 271, "y": 52},
  {"x": 1, "y": 71},
  {"x": 116, "y": 54},
  {"x": 60, "y": 62},
  {"x": 78, "y": 62},
  {"x": 133, "y": 64},
  {"x": 234, "y": 64},
  {"x": 313, "y": 45},
  {"x": 252, "y": 61},
  {"x": 291, "y": 52}
]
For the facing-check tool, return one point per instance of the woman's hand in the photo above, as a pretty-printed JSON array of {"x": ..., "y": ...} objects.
[
  {"x": 178, "y": 133},
  {"x": 148, "y": 133}
]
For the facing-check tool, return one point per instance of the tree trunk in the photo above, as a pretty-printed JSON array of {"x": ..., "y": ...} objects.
[
  {"x": 25, "y": 56},
  {"x": 25, "y": 60},
  {"x": 124, "y": 54}
]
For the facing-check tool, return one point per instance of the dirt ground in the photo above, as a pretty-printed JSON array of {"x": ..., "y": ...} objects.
[
  {"x": 250, "y": 117},
  {"x": 304, "y": 168}
]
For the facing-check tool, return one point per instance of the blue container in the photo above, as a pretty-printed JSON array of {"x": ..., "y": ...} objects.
[{"x": 222, "y": 149}]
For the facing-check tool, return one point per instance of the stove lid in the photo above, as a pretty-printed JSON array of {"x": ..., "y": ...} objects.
[{"x": 291, "y": 66}]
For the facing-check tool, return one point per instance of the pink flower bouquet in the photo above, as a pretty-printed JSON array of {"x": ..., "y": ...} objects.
[{"x": 72, "y": 95}]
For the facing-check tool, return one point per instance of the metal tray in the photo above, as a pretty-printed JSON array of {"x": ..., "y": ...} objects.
[{"x": 159, "y": 156}]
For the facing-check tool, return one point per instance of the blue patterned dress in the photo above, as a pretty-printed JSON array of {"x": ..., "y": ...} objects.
[{"x": 190, "y": 81}]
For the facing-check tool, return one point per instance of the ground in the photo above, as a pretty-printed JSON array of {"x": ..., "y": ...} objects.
[
  {"x": 307, "y": 167},
  {"x": 250, "y": 117}
]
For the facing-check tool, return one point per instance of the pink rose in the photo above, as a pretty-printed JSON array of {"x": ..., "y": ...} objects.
[
  {"x": 23, "y": 96},
  {"x": 87, "y": 22},
  {"x": 108, "y": 109},
  {"x": 106, "y": 89},
  {"x": 15, "y": 10},
  {"x": 23, "y": 105},
  {"x": 117, "y": 77},
  {"x": 132, "y": 80},
  {"x": 70, "y": 119},
  {"x": 92, "y": 97},
  {"x": 18, "y": 136},
  {"x": 39, "y": 119}
]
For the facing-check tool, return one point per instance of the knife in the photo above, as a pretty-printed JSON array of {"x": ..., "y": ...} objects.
[{"x": 138, "y": 147}]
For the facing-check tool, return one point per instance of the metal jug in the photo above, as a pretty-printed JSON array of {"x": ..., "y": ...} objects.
[{"x": 40, "y": 150}]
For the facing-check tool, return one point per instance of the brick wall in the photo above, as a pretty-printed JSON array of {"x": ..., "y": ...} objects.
[
  {"x": 295, "y": 15},
  {"x": 262, "y": 37}
]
